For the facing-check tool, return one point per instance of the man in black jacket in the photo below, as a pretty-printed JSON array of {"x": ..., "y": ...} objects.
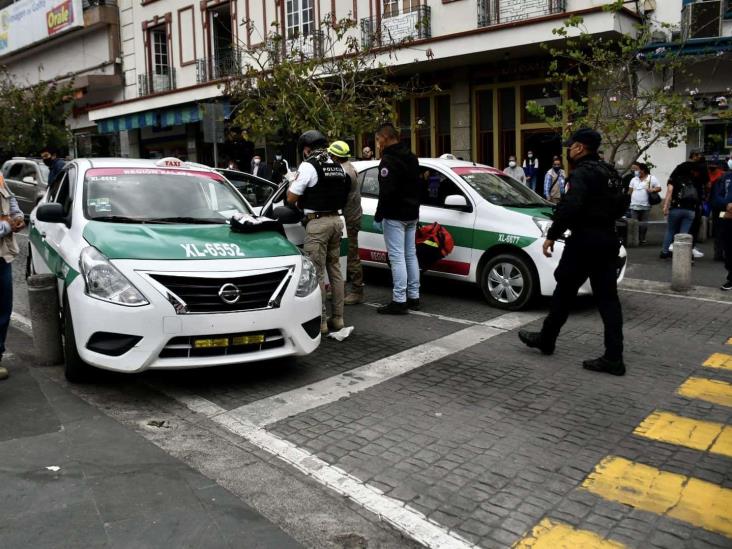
[
  {"x": 397, "y": 214},
  {"x": 589, "y": 210}
]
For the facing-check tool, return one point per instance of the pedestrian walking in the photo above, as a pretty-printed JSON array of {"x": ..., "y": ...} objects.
[
  {"x": 514, "y": 170},
  {"x": 594, "y": 200},
  {"x": 719, "y": 190},
  {"x": 321, "y": 187},
  {"x": 642, "y": 187},
  {"x": 397, "y": 214},
  {"x": 530, "y": 166},
  {"x": 352, "y": 213},
  {"x": 701, "y": 177},
  {"x": 555, "y": 181},
  {"x": 11, "y": 221},
  {"x": 722, "y": 202},
  {"x": 55, "y": 165},
  {"x": 683, "y": 197}
]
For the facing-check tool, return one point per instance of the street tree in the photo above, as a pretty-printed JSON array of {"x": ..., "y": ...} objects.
[
  {"x": 624, "y": 87},
  {"x": 327, "y": 80},
  {"x": 32, "y": 116}
]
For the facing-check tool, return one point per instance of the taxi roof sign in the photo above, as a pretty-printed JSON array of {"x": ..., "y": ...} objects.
[{"x": 170, "y": 162}]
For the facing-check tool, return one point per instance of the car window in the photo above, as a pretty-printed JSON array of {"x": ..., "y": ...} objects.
[
  {"x": 6, "y": 168},
  {"x": 498, "y": 188},
  {"x": 435, "y": 187},
  {"x": 15, "y": 171},
  {"x": 256, "y": 191},
  {"x": 63, "y": 195},
  {"x": 29, "y": 170},
  {"x": 370, "y": 182},
  {"x": 159, "y": 196}
]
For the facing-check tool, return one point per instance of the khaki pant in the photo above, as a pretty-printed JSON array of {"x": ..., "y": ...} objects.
[
  {"x": 322, "y": 246},
  {"x": 355, "y": 270}
]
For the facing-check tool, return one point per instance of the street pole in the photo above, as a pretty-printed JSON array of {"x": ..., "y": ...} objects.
[
  {"x": 216, "y": 153},
  {"x": 681, "y": 263}
]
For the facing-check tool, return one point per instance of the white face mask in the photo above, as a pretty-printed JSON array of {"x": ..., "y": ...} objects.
[
  {"x": 512, "y": 164},
  {"x": 256, "y": 161},
  {"x": 531, "y": 155},
  {"x": 636, "y": 173}
]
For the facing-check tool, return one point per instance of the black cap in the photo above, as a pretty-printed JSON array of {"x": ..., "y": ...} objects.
[{"x": 586, "y": 136}]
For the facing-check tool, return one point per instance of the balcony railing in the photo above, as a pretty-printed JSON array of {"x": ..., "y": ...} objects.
[
  {"x": 396, "y": 27},
  {"x": 498, "y": 12},
  {"x": 308, "y": 46},
  {"x": 225, "y": 62},
  {"x": 147, "y": 84}
]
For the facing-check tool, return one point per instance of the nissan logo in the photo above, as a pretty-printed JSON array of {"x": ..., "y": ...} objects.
[{"x": 229, "y": 293}]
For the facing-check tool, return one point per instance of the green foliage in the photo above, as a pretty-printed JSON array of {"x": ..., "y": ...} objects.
[
  {"x": 622, "y": 87},
  {"x": 342, "y": 90},
  {"x": 32, "y": 117}
]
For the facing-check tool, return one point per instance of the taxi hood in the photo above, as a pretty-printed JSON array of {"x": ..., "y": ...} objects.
[{"x": 182, "y": 241}]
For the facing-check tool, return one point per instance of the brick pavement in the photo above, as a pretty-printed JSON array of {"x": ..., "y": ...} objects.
[{"x": 492, "y": 439}]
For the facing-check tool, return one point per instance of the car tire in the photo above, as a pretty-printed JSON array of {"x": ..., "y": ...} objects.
[
  {"x": 75, "y": 369},
  {"x": 508, "y": 282}
]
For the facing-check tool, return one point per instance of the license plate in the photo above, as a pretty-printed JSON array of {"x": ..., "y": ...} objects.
[
  {"x": 248, "y": 340},
  {"x": 211, "y": 343}
]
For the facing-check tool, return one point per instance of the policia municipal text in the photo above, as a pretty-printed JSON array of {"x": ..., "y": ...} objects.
[
  {"x": 589, "y": 208},
  {"x": 321, "y": 188}
]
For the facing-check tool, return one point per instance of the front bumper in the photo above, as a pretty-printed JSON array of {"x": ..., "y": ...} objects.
[{"x": 163, "y": 334}]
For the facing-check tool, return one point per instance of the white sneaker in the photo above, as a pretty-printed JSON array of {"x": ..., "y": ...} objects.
[
  {"x": 696, "y": 254},
  {"x": 670, "y": 247}
]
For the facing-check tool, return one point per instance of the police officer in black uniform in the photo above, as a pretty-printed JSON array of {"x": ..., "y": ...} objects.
[
  {"x": 589, "y": 210},
  {"x": 321, "y": 188}
]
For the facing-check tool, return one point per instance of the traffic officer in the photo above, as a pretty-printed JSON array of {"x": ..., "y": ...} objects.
[
  {"x": 321, "y": 187},
  {"x": 340, "y": 151},
  {"x": 589, "y": 208}
]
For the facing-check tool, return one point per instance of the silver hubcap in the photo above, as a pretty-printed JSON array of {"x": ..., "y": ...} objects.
[{"x": 505, "y": 282}]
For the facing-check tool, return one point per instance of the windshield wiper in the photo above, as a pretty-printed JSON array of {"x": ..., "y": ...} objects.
[
  {"x": 192, "y": 220},
  {"x": 118, "y": 219}
]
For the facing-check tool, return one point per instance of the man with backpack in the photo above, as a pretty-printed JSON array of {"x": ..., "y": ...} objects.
[
  {"x": 594, "y": 200},
  {"x": 684, "y": 194}
]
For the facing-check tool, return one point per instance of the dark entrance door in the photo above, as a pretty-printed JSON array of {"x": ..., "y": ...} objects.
[{"x": 545, "y": 145}]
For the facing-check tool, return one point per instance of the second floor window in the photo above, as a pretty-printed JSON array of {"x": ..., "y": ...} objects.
[
  {"x": 391, "y": 7},
  {"x": 160, "y": 60},
  {"x": 300, "y": 18}
]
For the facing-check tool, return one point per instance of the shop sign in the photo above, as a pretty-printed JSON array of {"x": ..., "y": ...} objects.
[{"x": 26, "y": 22}]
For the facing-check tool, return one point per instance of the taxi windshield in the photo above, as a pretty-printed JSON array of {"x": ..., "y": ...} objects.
[
  {"x": 159, "y": 196},
  {"x": 500, "y": 189}
]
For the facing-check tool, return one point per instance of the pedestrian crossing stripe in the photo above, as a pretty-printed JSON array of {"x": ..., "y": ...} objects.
[
  {"x": 707, "y": 436},
  {"x": 719, "y": 360},
  {"x": 549, "y": 534},
  {"x": 711, "y": 390},
  {"x": 697, "y": 502}
]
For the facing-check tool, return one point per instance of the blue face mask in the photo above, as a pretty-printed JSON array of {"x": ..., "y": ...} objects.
[{"x": 636, "y": 173}]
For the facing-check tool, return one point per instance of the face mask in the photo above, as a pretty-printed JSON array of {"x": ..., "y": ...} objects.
[
  {"x": 729, "y": 163},
  {"x": 278, "y": 157},
  {"x": 512, "y": 164},
  {"x": 48, "y": 162},
  {"x": 636, "y": 173},
  {"x": 256, "y": 162},
  {"x": 556, "y": 168},
  {"x": 531, "y": 155}
]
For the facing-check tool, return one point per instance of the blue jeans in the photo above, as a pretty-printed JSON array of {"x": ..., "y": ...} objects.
[
  {"x": 402, "y": 248},
  {"x": 6, "y": 301},
  {"x": 679, "y": 221}
]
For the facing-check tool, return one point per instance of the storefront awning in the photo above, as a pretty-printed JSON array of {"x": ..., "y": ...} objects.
[{"x": 183, "y": 114}]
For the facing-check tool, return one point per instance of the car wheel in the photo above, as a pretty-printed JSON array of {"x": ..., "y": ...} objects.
[
  {"x": 75, "y": 369},
  {"x": 508, "y": 282}
]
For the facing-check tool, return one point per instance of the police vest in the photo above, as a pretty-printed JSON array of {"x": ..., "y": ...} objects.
[{"x": 331, "y": 191}]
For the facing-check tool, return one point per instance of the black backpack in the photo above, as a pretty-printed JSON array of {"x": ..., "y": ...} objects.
[
  {"x": 616, "y": 194},
  {"x": 688, "y": 196}
]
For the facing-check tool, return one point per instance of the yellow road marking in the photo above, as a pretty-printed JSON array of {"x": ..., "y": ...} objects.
[
  {"x": 718, "y": 392},
  {"x": 719, "y": 360},
  {"x": 689, "y": 499},
  {"x": 549, "y": 534},
  {"x": 702, "y": 435}
]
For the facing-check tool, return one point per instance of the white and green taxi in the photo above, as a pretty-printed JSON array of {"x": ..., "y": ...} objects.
[
  {"x": 150, "y": 274},
  {"x": 497, "y": 223}
]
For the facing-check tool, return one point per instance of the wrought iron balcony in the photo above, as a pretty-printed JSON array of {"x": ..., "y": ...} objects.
[
  {"x": 148, "y": 84},
  {"x": 498, "y": 12},
  {"x": 396, "y": 27},
  {"x": 307, "y": 46},
  {"x": 225, "y": 62}
]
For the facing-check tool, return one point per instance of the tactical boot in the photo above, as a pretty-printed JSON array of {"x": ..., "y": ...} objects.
[
  {"x": 413, "y": 304},
  {"x": 354, "y": 297},
  {"x": 536, "y": 341},
  {"x": 324, "y": 327},
  {"x": 393, "y": 308},
  {"x": 602, "y": 364},
  {"x": 335, "y": 323}
]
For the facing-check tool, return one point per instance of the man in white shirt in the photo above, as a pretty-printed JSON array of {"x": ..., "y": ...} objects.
[{"x": 515, "y": 171}]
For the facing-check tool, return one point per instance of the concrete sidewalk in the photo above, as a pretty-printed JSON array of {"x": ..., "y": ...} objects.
[{"x": 71, "y": 476}]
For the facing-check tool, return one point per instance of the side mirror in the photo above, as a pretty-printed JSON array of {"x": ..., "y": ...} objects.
[
  {"x": 287, "y": 216},
  {"x": 51, "y": 213},
  {"x": 457, "y": 202},
  {"x": 29, "y": 179}
]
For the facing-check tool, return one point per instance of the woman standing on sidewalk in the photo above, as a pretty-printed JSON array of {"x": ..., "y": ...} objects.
[
  {"x": 11, "y": 221},
  {"x": 642, "y": 186}
]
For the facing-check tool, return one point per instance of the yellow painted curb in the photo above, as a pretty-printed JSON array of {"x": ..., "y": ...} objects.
[
  {"x": 719, "y": 360},
  {"x": 711, "y": 390},
  {"x": 549, "y": 534},
  {"x": 707, "y": 436}
]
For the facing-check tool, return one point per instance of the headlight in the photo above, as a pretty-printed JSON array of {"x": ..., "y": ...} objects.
[
  {"x": 308, "y": 278},
  {"x": 103, "y": 280},
  {"x": 543, "y": 225}
]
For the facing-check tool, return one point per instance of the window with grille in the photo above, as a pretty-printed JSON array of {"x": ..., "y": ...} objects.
[
  {"x": 300, "y": 18},
  {"x": 391, "y": 8},
  {"x": 160, "y": 59}
]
